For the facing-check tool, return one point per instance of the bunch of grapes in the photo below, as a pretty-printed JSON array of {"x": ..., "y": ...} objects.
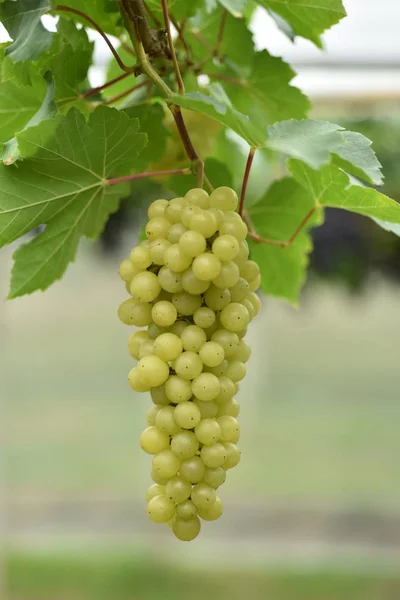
[{"x": 193, "y": 289}]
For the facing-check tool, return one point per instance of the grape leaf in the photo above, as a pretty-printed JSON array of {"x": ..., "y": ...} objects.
[
  {"x": 308, "y": 19},
  {"x": 22, "y": 20},
  {"x": 235, "y": 7},
  {"x": 103, "y": 12},
  {"x": 283, "y": 25},
  {"x": 151, "y": 119},
  {"x": 63, "y": 186},
  {"x": 114, "y": 71}
]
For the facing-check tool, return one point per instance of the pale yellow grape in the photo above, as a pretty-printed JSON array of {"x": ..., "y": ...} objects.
[
  {"x": 167, "y": 346},
  {"x": 140, "y": 257},
  {"x": 155, "y": 489},
  {"x": 175, "y": 232},
  {"x": 214, "y": 456},
  {"x": 211, "y": 330},
  {"x": 169, "y": 280},
  {"x": 228, "y": 340},
  {"x": 178, "y": 489},
  {"x": 187, "y": 214},
  {"x": 186, "y": 530},
  {"x": 151, "y": 415},
  {"x": 186, "y": 510},
  {"x": 243, "y": 352},
  {"x": 208, "y": 432},
  {"x": 164, "y": 313},
  {"x": 236, "y": 370},
  {"x": 153, "y": 371},
  {"x": 197, "y": 197},
  {"x": 157, "y": 478},
  {"x": 136, "y": 382},
  {"x": 185, "y": 303},
  {"x": 159, "y": 396},
  {"x": 157, "y": 208},
  {"x": 161, "y": 509},
  {"x": 178, "y": 328},
  {"x": 203, "y": 495},
  {"x": 166, "y": 463},
  {"x": 177, "y": 389},
  {"x": 184, "y": 444},
  {"x": 187, "y": 415},
  {"x": 228, "y": 276},
  {"x": 256, "y": 302},
  {"x": 212, "y": 354},
  {"x": 241, "y": 333},
  {"x": 217, "y": 299},
  {"x": 145, "y": 286},
  {"x": 193, "y": 469},
  {"x": 249, "y": 270},
  {"x": 215, "y": 477},
  {"x": 243, "y": 253},
  {"x": 192, "y": 243},
  {"x": 173, "y": 211},
  {"x": 208, "y": 409},
  {"x": 204, "y": 317},
  {"x": 218, "y": 214},
  {"x": 238, "y": 229},
  {"x": 206, "y": 266},
  {"x": 232, "y": 455},
  {"x": 153, "y": 331},
  {"x": 157, "y": 250},
  {"x": 193, "y": 338},
  {"x": 224, "y": 198},
  {"x": 204, "y": 222},
  {"x": 234, "y": 317},
  {"x": 230, "y": 408},
  {"x": 255, "y": 284},
  {"x": 157, "y": 228},
  {"x": 131, "y": 312},
  {"x": 247, "y": 304},
  {"x": 127, "y": 270},
  {"x": 240, "y": 290},
  {"x": 206, "y": 386},
  {"x": 188, "y": 365},
  {"x": 165, "y": 420},
  {"x": 225, "y": 247},
  {"x": 176, "y": 259},
  {"x": 192, "y": 284},
  {"x": 226, "y": 389},
  {"x": 230, "y": 429},
  {"x": 152, "y": 440},
  {"x": 213, "y": 512},
  {"x": 134, "y": 342},
  {"x": 146, "y": 348},
  {"x": 219, "y": 370}
]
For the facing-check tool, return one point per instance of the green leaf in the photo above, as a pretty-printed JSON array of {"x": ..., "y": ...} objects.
[
  {"x": 151, "y": 119},
  {"x": 283, "y": 25},
  {"x": 47, "y": 110},
  {"x": 179, "y": 8},
  {"x": 277, "y": 216},
  {"x": 64, "y": 187},
  {"x": 114, "y": 71},
  {"x": 22, "y": 20},
  {"x": 308, "y": 19},
  {"x": 235, "y": 7},
  {"x": 103, "y": 12}
]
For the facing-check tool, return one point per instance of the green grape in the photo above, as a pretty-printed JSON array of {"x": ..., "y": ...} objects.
[
  {"x": 208, "y": 432},
  {"x": 212, "y": 354},
  {"x": 247, "y": 304},
  {"x": 249, "y": 270},
  {"x": 241, "y": 333},
  {"x": 218, "y": 214},
  {"x": 157, "y": 250},
  {"x": 187, "y": 415},
  {"x": 225, "y": 247},
  {"x": 219, "y": 370},
  {"x": 243, "y": 253},
  {"x": 224, "y": 198},
  {"x": 228, "y": 276},
  {"x": 234, "y": 317},
  {"x": 243, "y": 352},
  {"x": 213, "y": 512},
  {"x": 176, "y": 260},
  {"x": 140, "y": 257},
  {"x": 178, "y": 489},
  {"x": 230, "y": 408},
  {"x": 127, "y": 270},
  {"x": 215, "y": 477},
  {"x": 204, "y": 222},
  {"x": 192, "y": 243},
  {"x": 146, "y": 348},
  {"x": 174, "y": 209},
  {"x": 169, "y": 280},
  {"x": 197, "y": 197},
  {"x": 193, "y": 338},
  {"x": 185, "y": 444},
  {"x": 236, "y": 370},
  {"x": 153, "y": 331},
  {"x": 164, "y": 313},
  {"x": 145, "y": 286},
  {"x": 155, "y": 489},
  {"x": 179, "y": 327},
  {"x": 230, "y": 429},
  {"x": 193, "y": 469},
  {"x": 153, "y": 440},
  {"x": 228, "y": 340},
  {"x": 177, "y": 389},
  {"x": 185, "y": 303},
  {"x": 235, "y": 228},
  {"x": 240, "y": 290},
  {"x": 226, "y": 389},
  {"x": 203, "y": 495},
  {"x": 206, "y": 266},
  {"x": 208, "y": 409},
  {"x": 135, "y": 341},
  {"x": 206, "y": 386},
  {"x": 214, "y": 456},
  {"x": 153, "y": 371},
  {"x": 188, "y": 213},
  {"x": 160, "y": 509},
  {"x": 256, "y": 302},
  {"x": 175, "y": 232},
  {"x": 167, "y": 346},
  {"x": 217, "y": 299},
  {"x": 188, "y": 365},
  {"x": 136, "y": 382},
  {"x": 192, "y": 285},
  {"x": 232, "y": 455},
  {"x": 132, "y": 312},
  {"x": 166, "y": 463},
  {"x": 157, "y": 209},
  {"x": 204, "y": 317},
  {"x": 157, "y": 228},
  {"x": 165, "y": 420},
  {"x": 151, "y": 415},
  {"x": 211, "y": 330},
  {"x": 186, "y": 530},
  {"x": 255, "y": 284},
  {"x": 159, "y": 396},
  {"x": 186, "y": 510},
  {"x": 157, "y": 478}
]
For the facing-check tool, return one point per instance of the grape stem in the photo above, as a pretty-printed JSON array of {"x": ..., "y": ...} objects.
[
  {"x": 147, "y": 174},
  {"x": 126, "y": 92},
  {"x": 281, "y": 243},
  {"x": 61, "y": 7},
  {"x": 181, "y": 36},
  {"x": 218, "y": 45},
  {"x": 178, "y": 75},
  {"x": 105, "y": 85},
  {"x": 151, "y": 14},
  {"x": 246, "y": 177}
]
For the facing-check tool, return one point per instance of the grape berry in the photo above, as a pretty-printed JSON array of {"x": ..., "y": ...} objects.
[{"x": 192, "y": 286}]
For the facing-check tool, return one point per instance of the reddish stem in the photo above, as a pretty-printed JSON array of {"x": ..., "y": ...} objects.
[
  {"x": 126, "y": 93},
  {"x": 181, "y": 36},
  {"x": 178, "y": 75},
  {"x": 246, "y": 179},
  {"x": 105, "y": 85},
  {"x": 147, "y": 174},
  {"x": 61, "y": 7}
]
